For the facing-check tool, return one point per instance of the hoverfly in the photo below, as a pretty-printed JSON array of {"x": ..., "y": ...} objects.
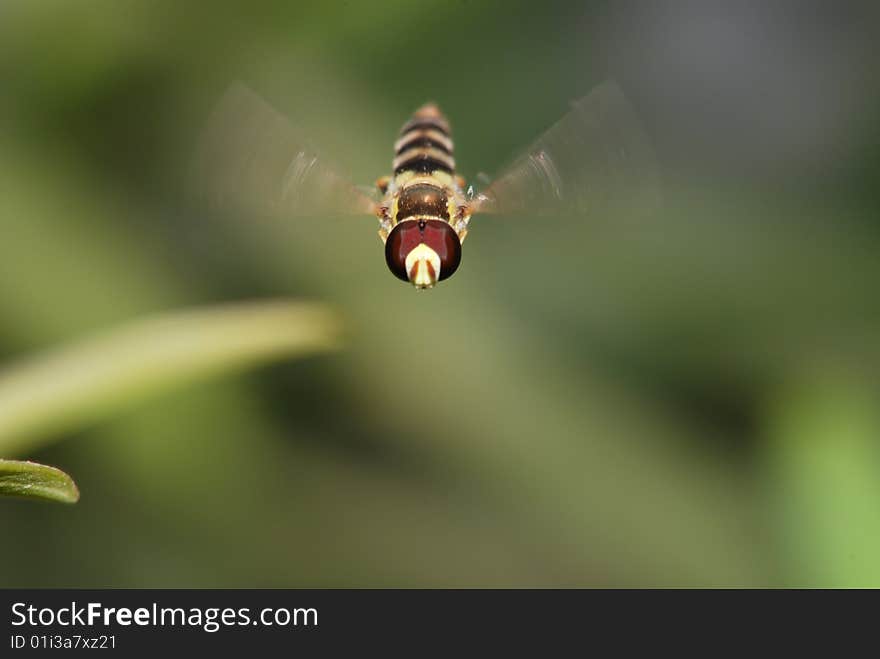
[{"x": 593, "y": 161}]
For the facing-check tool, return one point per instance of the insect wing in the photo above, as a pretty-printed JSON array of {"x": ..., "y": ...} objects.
[
  {"x": 251, "y": 158},
  {"x": 595, "y": 160}
]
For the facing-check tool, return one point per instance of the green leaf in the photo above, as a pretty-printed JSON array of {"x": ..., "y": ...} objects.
[
  {"x": 70, "y": 387},
  {"x": 31, "y": 480}
]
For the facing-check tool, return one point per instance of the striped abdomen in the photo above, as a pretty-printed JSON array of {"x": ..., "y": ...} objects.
[{"x": 424, "y": 146}]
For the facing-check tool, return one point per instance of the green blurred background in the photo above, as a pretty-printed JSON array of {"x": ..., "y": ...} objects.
[{"x": 687, "y": 402}]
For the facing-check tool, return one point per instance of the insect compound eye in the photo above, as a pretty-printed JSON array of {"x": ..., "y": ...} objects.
[
  {"x": 400, "y": 242},
  {"x": 441, "y": 237},
  {"x": 435, "y": 234}
]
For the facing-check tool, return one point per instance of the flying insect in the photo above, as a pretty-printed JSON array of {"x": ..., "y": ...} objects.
[{"x": 593, "y": 162}]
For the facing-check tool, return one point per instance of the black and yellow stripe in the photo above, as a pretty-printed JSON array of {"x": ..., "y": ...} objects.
[
  {"x": 427, "y": 116},
  {"x": 423, "y": 137}
]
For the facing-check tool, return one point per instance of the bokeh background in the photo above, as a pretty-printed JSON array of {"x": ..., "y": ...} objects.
[{"x": 691, "y": 401}]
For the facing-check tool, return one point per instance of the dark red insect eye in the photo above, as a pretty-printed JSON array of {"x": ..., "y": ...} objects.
[
  {"x": 401, "y": 241},
  {"x": 436, "y": 234},
  {"x": 441, "y": 237}
]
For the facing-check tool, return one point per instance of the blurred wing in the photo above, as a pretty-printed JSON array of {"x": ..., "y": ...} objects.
[
  {"x": 250, "y": 158},
  {"x": 595, "y": 160}
]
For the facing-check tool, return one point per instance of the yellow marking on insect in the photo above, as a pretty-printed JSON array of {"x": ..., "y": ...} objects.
[
  {"x": 423, "y": 266},
  {"x": 438, "y": 178}
]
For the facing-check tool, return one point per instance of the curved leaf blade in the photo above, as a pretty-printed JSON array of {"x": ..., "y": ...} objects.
[
  {"x": 75, "y": 385},
  {"x": 31, "y": 480}
]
